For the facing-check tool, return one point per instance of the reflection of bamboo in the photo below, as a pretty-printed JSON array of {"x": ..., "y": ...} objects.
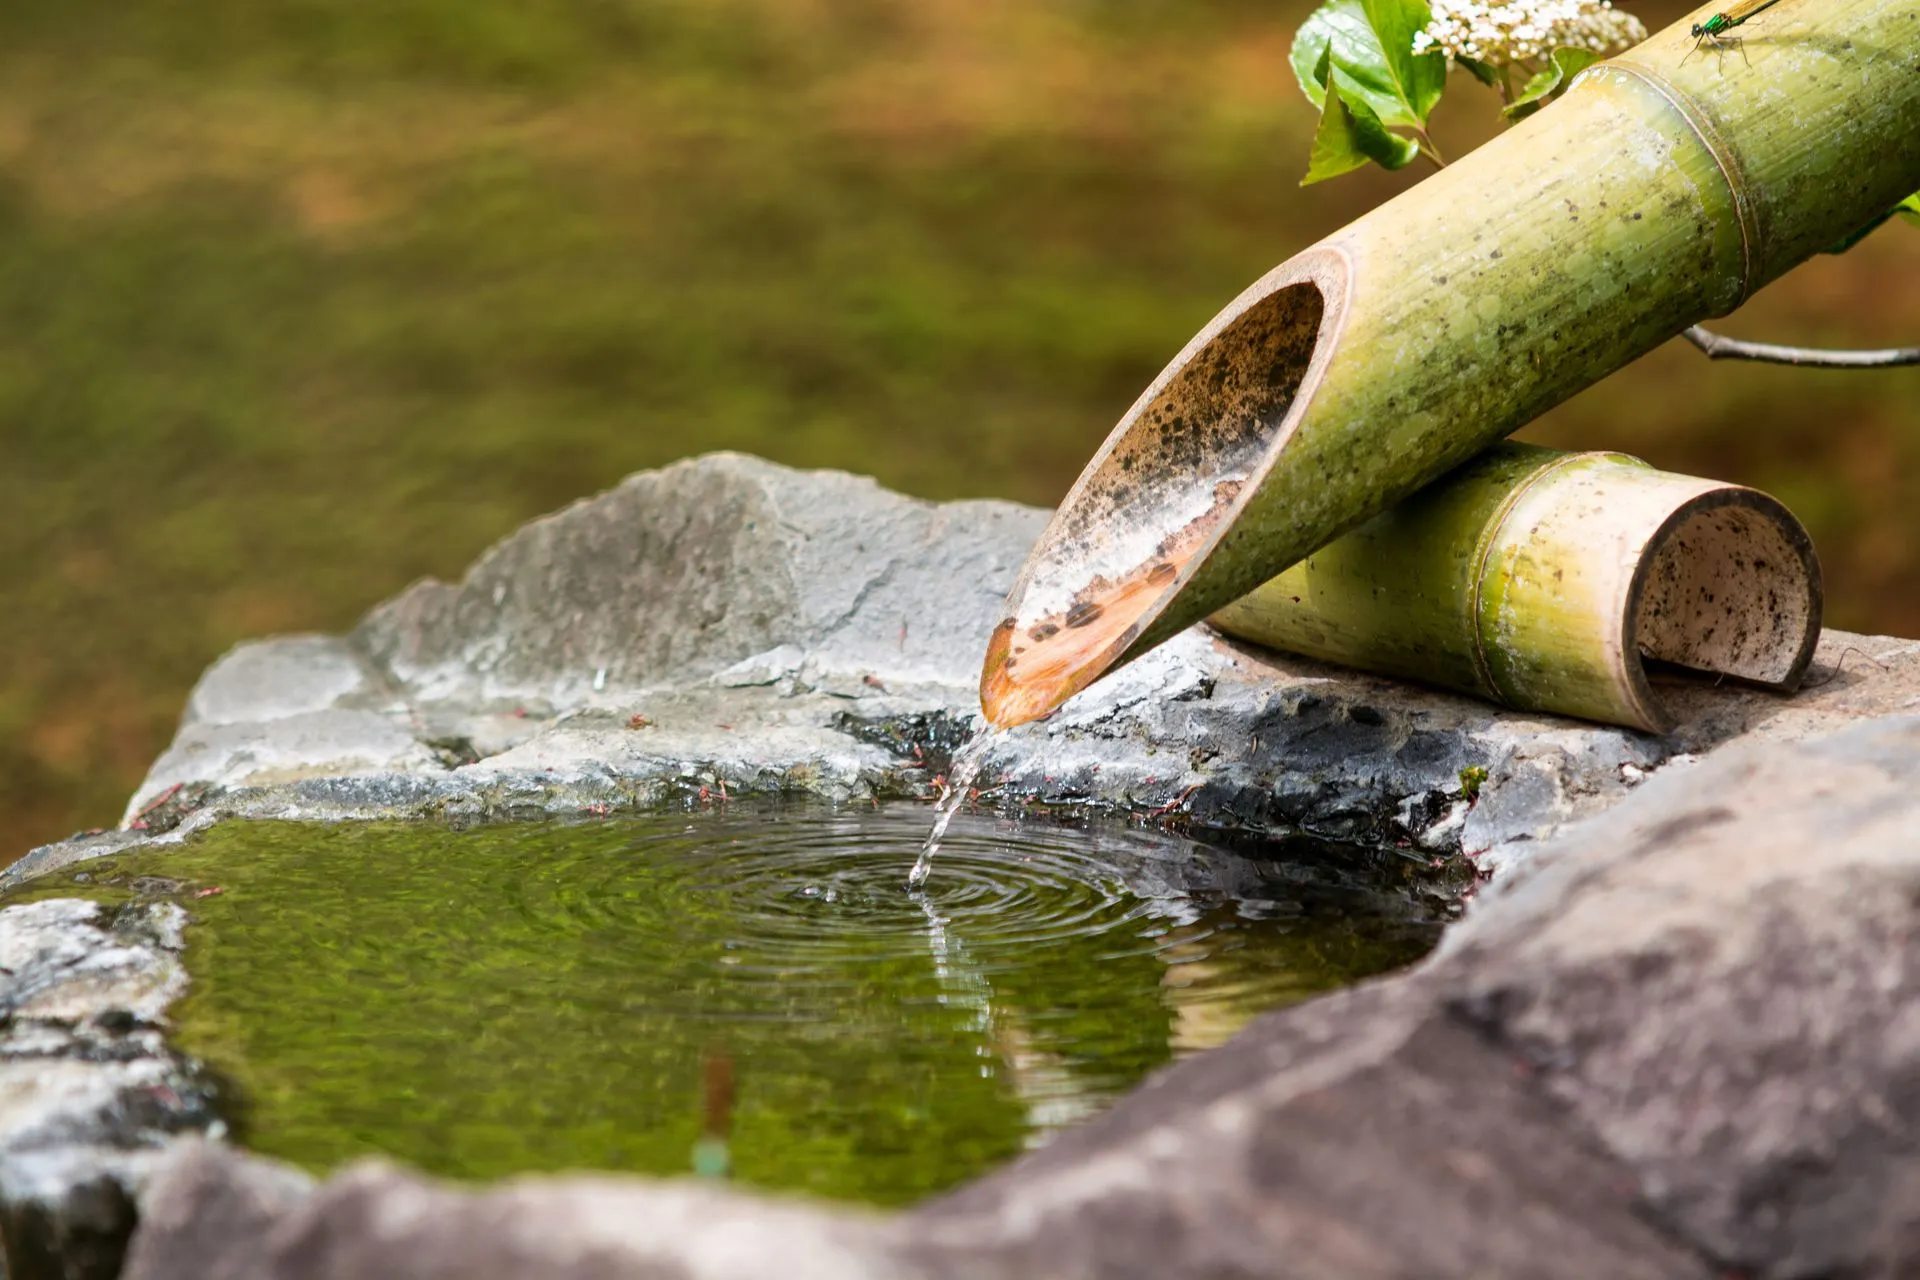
[
  {"x": 1541, "y": 580},
  {"x": 1654, "y": 195},
  {"x": 1188, "y": 988},
  {"x": 1049, "y": 1092}
]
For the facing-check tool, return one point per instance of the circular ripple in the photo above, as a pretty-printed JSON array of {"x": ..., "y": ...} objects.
[{"x": 817, "y": 897}]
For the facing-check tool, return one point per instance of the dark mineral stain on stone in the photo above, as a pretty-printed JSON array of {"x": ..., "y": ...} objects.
[{"x": 1667, "y": 832}]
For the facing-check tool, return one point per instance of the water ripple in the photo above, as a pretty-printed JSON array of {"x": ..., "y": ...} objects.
[{"x": 519, "y": 997}]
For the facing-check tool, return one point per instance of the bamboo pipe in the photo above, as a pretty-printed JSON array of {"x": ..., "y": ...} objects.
[
  {"x": 1545, "y": 580},
  {"x": 1659, "y": 192}
]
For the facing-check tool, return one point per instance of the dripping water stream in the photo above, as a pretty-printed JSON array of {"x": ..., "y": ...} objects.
[{"x": 961, "y": 775}]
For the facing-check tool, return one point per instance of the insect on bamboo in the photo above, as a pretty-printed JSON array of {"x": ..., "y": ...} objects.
[{"x": 1714, "y": 30}]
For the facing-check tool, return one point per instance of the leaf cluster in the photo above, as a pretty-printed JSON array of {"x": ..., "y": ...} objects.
[{"x": 1355, "y": 61}]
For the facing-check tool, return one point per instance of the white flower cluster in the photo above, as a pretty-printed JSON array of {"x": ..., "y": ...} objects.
[{"x": 1503, "y": 32}]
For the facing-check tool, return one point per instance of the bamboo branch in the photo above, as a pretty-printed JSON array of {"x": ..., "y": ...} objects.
[{"x": 1718, "y": 346}]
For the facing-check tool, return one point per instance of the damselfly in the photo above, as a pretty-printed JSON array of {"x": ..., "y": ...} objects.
[{"x": 1714, "y": 30}]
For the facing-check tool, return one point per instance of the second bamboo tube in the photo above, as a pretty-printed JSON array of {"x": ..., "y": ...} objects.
[{"x": 1546, "y": 581}]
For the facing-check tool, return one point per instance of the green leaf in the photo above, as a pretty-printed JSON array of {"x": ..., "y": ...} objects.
[
  {"x": 1909, "y": 208},
  {"x": 1350, "y": 134},
  {"x": 1312, "y": 53},
  {"x": 1419, "y": 79},
  {"x": 1550, "y": 81},
  {"x": 1371, "y": 43}
]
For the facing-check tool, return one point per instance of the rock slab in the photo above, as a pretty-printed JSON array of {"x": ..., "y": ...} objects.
[
  {"x": 1684, "y": 1043},
  {"x": 727, "y": 626},
  {"x": 1674, "y": 1038},
  {"x": 90, "y": 1093}
]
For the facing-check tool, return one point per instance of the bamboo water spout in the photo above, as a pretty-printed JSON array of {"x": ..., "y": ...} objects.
[{"x": 1660, "y": 192}]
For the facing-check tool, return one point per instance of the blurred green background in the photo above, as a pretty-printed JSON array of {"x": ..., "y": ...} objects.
[{"x": 302, "y": 299}]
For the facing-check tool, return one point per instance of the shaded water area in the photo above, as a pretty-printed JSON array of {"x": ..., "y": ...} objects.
[{"x": 547, "y": 996}]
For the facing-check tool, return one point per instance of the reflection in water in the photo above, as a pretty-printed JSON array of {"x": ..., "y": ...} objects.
[{"x": 548, "y": 996}]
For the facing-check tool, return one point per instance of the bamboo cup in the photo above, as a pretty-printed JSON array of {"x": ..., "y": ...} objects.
[
  {"x": 1546, "y": 581},
  {"x": 1659, "y": 192}
]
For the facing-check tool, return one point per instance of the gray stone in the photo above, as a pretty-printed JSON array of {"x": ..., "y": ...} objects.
[
  {"x": 262, "y": 755},
  {"x": 682, "y": 573},
  {"x": 89, "y": 1090},
  {"x": 727, "y": 626},
  {"x": 1684, "y": 1041},
  {"x": 1681, "y": 1043},
  {"x": 1721, "y": 981},
  {"x": 213, "y": 1215},
  {"x": 1366, "y": 1135},
  {"x": 1675, "y": 1036},
  {"x": 272, "y": 679}
]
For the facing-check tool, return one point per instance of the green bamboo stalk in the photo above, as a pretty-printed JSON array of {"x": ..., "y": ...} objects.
[
  {"x": 1544, "y": 581},
  {"x": 1659, "y": 192}
]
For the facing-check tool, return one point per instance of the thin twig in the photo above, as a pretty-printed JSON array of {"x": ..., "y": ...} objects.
[
  {"x": 1718, "y": 346},
  {"x": 1176, "y": 802},
  {"x": 1428, "y": 149},
  {"x": 1840, "y": 663}
]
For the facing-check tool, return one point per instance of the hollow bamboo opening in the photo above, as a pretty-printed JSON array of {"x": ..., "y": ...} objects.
[
  {"x": 1170, "y": 481},
  {"x": 1729, "y": 586}
]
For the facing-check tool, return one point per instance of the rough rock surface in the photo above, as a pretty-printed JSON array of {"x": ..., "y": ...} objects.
[
  {"x": 1706, "y": 1001},
  {"x": 1685, "y": 1042},
  {"x": 214, "y": 1215},
  {"x": 89, "y": 1091},
  {"x": 1675, "y": 1038},
  {"x": 725, "y": 625}
]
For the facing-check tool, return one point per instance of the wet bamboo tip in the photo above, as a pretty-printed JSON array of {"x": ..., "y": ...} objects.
[
  {"x": 1155, "y": 503},
  {"x": 1030, "y": 670}
]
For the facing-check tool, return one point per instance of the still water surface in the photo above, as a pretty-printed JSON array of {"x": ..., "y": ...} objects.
[{"x": 552, "y": 996}]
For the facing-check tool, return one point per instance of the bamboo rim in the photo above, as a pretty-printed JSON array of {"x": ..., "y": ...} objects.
[{"x": 1090, "y": 584}]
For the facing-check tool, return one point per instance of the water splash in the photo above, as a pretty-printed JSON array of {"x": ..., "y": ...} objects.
[{"x": 961, "y": 775}]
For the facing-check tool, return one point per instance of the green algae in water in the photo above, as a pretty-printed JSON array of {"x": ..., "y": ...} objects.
[{"x": 527, "y": 997}]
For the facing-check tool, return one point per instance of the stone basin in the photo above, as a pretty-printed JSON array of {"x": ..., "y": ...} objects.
[{"x": 1675, "y": 1034}]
